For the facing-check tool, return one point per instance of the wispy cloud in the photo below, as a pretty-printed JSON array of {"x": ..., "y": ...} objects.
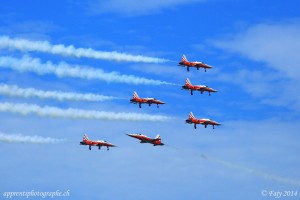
[
  {"x": 61, "y": 49},
  {"x": 13, "y": 90},
  {"x": 28, "y": 139},
  {"x": 134, "y": 7},
  {"x": 277, "y": 46},
  {"x": 47, "y": 111},
  {"x": 63, "y": 69},
  {"x": 255, "y": 82},
  {"x": 159, "y": 70},
  {"x": 30, "y": 29}
]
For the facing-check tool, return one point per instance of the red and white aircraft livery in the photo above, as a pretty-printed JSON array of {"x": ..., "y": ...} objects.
[
  {"x": 145, "y": 139},
  {"x": 137, "y": 100},
  {"x": 99, "y": 143},
  {"x": 202, "y": 88},
  {"x": 205, "y": 122},
  {"x": 185, "y": 63}
]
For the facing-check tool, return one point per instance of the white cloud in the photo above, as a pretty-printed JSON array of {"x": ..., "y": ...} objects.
[
  {"x": 30, "y": 29},
  {"x": 160, "y": 70},
  {"x": 135, "y": 7},
  {"x": 255, "y": 82},
  {"x": 278, "y": 46}
]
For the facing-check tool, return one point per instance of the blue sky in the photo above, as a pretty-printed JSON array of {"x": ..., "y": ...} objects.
[{"x": 253, "y": 46}]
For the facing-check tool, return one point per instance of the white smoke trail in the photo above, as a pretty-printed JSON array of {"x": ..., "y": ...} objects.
[
  {"x": 60, "y": 49},
  {"x": 28, "y": 139},
  {"x": 252, "y": 171},
  {"x": 26, "y": 109},
  {"x": 240, "y": 167},
  {"x": 27, "y": 63},
  {"x": 13, "y": 90}
]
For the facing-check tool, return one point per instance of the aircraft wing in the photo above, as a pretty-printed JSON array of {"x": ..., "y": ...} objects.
[
  {"x": 153, "y": 140},
  {"x": 203, "y": 65}
]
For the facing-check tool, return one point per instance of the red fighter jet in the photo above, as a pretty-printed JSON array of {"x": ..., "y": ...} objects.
[
  {"x": 137, "y": 100},
  {"x": 185, "y": 63},
  {"x": 205, "y": 122},
  {"x": 99, "y": 143},
  {"x": 145, "y": 139},
  {"x": 202, "y": 88}
]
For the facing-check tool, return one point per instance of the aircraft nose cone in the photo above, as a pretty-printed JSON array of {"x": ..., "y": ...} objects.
[{"x": 188, "y": 121}]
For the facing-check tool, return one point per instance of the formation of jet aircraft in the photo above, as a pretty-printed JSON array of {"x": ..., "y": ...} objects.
[
  {"x": 138, "y": 100},
  {"x": 201, "y": 88},
  {"x": 143, "y": 139},
  {"x": 185, "y": 63}
]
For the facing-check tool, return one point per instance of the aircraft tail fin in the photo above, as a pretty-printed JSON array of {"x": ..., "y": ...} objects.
[
  {"x": 135, "y": 95},
  {"x": 184, "y": 58},
  {"x": 188, "y": 82},
  {"x": 85, "y": 137},
  {"x": 191, "y": 115},
  {"x": 157, "y": 137}
]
